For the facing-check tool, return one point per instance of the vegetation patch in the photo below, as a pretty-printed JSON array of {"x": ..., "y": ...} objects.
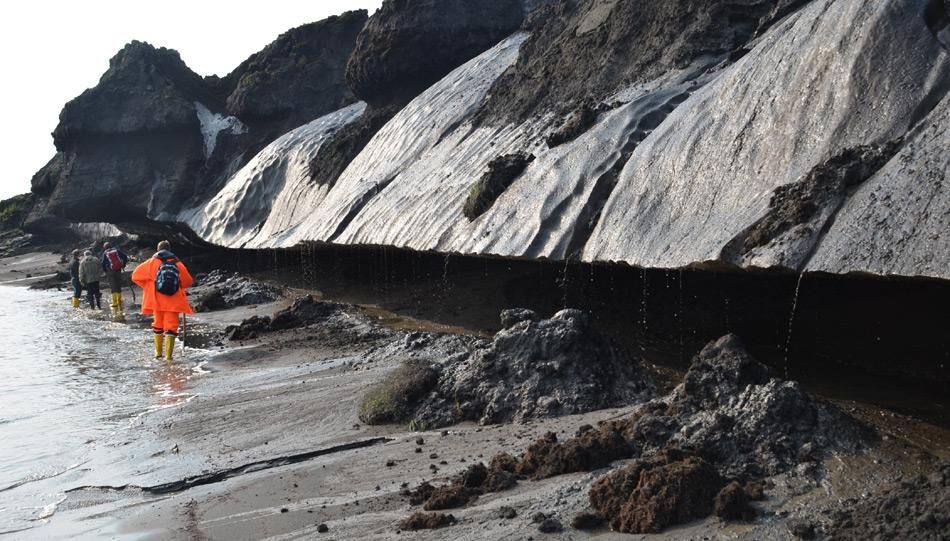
[{"x": 394, "y": 399}]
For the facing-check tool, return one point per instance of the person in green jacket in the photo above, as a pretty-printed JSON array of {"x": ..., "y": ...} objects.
[{"x": 90, "y": 274}]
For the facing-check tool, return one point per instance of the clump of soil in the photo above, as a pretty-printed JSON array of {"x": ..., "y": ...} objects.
[
  {"x": 650, "y": 494},
  {"x": 346, "y": 143},
  {"x": 426, "y": 521},
  {"x": 733, "y": 501},
  {"x": 587, "y": 521},
  {"x": 394, "y": 399},
  {"x": 502, "y": 171},
  {"x": 581, "y": 120},
  {"x": 303, "y": 312},
  {"x": 821, "y": 191},
  {"x": 735, "y": 421},
  {"x": 534, "y": 369},
  {"x": 476, "y": 480},
  {"x": 915, "y": 508},
  {"x": 215, "y": 291},
  {"x": 449, "y": 497}
]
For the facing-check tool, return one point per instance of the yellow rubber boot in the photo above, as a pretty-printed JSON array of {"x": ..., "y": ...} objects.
[
  {"x": 159, "y": 341},
  {"x": 118, "y": 298},
  {"x": 115, "y": 303},
  {"x": 169, "y": 346},
  {"x": 75, "y": 302}
]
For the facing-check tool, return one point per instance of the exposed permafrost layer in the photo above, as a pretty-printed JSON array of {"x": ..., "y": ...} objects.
[
  {"x": 666, "y": 178},
  {"x": 835, "y": 75}
]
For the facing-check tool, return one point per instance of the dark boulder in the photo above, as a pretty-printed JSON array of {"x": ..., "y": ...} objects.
[
  {"x": 298, "y": 77},
  {"x": 410, "y": 44}
]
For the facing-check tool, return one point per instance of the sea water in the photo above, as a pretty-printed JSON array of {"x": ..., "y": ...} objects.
[{"x": 73, "y": 384}]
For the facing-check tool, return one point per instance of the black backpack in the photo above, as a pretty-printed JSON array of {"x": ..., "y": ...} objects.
[{"x": 167, "y": 280}]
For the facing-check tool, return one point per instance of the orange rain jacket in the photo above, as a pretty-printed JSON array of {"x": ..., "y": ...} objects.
[{"x": 144, "y": 276}]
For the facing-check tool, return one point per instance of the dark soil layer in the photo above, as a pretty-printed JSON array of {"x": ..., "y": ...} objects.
[
  {"x": 502, "y": 172},
  {"x": 824, "y": 188},
  {"x": 585, "y": 50},
  {"x": 917, "y": 508},
  {"x": 337, "y": 153},
  {"x": 665, "y": 317}
]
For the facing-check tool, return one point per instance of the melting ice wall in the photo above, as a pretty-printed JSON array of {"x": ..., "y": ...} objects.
[{"x": 666, "y": 179}]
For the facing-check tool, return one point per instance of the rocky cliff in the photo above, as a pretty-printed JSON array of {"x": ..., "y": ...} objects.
[
  {"x": 153, "y": 136},
  {"x": 807, "y": 135}
]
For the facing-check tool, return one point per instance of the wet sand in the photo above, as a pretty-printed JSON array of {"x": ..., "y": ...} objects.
[{"x": 297, "y": 392}]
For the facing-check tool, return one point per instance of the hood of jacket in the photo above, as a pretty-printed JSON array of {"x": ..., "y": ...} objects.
[{"x": 164, "y": 254}]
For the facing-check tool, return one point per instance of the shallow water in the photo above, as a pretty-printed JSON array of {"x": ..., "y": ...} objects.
[{"x": 72, "y": 386}]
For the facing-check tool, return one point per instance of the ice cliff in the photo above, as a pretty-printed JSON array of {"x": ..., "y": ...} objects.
[{"x": 807, "y": 135}]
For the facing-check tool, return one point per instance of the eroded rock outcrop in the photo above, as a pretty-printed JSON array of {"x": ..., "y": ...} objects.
[
  {"x": 410, "y": 44},
  {"x": 156, "y": 136}
]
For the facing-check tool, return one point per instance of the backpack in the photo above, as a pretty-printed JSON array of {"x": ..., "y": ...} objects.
[
  {"x": 167, "y": 280},
  {"x": 115, "y": 262}
]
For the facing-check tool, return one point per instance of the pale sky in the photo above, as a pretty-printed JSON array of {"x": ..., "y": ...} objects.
[{"x": 52, "y": 50}]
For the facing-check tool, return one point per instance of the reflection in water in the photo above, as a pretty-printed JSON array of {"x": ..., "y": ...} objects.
[
  {"x": 170, "y": 384},
  {"x": 72, "y": 383}
]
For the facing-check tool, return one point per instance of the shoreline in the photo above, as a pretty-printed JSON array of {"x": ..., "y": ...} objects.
[{"x": 298, "y": 391}]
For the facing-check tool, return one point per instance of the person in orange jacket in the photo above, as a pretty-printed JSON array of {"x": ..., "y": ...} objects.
[{"x": 164, "y": 279}]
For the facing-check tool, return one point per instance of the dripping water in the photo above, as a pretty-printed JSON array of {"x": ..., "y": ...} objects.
[
  {"x": 791, "y": 320},
  {"x": 564, "y": 283}
]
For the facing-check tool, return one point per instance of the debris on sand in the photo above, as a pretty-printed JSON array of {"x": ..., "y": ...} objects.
[
  {"x": 727, "y": 420},
  {"x": 215, "y": 291},
  {"x": 476, "y": 480},
  {"x": 587, "y": 521},
  {"x": 394, "y": 399},
  {"x": 535, "y": 368},
  {"x": 550, "y": 525},
  {"x": 426, "y": 521},
  {"x": 913, "y": 508},
  {"x": 303, "y": 312}
]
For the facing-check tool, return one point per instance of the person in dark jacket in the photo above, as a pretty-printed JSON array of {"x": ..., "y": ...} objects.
[
  {"x": 113, "y": 263},
  {"x": 90, "y": 274},
  {"x": 74, "y": 278}
]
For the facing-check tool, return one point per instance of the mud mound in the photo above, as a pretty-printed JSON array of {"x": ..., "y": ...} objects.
[
  {"x": 215, "y": 291},
  {"x": 545, "y": 368},
  {"x": 426, "y": 521},
  {"x": 749, "y": 425},
  {"x": 303, "y": 312},
  {"x": 585, "y": 50},
  {"x": 735, "y": 421},
  {"x": 651, "y": 494},
  {"x": 917, "y": 508}
]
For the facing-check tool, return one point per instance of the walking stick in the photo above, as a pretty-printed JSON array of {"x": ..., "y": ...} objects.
[{"x": 184, "y": 328}]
